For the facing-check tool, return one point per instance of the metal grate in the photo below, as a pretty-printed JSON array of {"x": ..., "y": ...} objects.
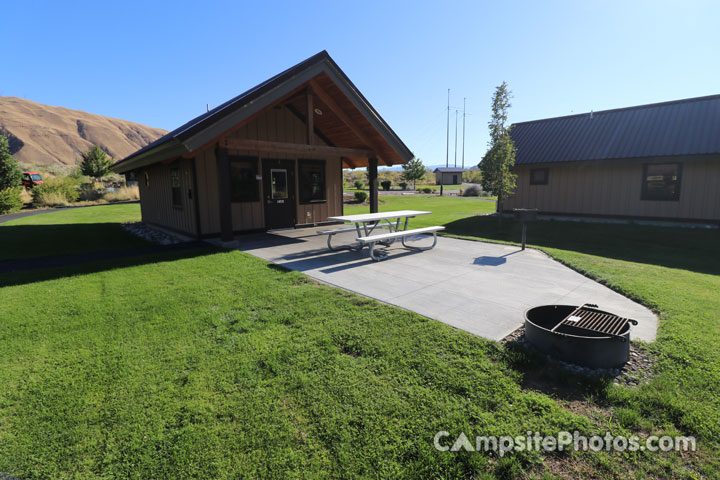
[{"x": 588, "y": 317}]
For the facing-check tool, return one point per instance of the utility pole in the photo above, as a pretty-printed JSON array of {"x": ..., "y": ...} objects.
[
  {"x": 456, "y": 115},
  {"x": 463, "y": 146},
  {"x": 447, "y": 141}
]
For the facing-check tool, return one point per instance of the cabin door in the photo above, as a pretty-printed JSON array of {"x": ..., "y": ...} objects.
[{"x": 279, "y": 193}]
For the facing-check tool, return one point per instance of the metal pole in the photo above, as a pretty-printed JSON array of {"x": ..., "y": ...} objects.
[
  {"x": 463, "y": 145},
  {"x": 447, "y": 136},
  {"x": 456, "y": 114},
  {"x": 523, "y": 234}
]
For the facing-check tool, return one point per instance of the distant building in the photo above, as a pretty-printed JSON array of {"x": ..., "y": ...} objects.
[
  {"x": 448, "y": 175},
  {"x": 658, "y": 161}
]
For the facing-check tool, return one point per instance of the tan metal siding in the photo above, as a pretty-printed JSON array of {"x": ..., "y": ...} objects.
[
  {"x": 156, "y": 198},
  {"x": 615, "y": 188}
]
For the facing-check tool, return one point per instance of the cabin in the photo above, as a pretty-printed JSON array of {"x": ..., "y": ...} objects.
[
  {"x": 448, "y": 175},
  {"x": 270, "y": 158},
  {"x": 652, "y": 162}
]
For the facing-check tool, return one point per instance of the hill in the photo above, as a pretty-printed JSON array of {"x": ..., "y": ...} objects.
[{"x": 45, "y": 135}]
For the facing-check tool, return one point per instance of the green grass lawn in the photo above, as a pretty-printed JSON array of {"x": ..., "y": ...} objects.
[
  {"x": 75, "y": 230},
  {"x": 445, "y": 209},
  {"x": 215, "y": 364}
]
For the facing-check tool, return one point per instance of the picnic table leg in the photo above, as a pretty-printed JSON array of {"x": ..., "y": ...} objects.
[
  {"x": 352, "y": 248},
  {"x": 420, "y": 249}
]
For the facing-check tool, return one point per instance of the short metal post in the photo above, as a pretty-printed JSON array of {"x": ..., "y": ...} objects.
[{"x": 523, "y": 234}]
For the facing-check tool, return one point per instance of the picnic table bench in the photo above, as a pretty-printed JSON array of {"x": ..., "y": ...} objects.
[{"x": 365, "y": 225}]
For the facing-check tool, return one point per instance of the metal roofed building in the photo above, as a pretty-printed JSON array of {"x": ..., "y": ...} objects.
[
  {"x": 448, "y": 175},
  {"x": 659, "y": 161}
]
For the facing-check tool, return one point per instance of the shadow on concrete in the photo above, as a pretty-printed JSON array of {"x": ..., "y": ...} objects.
[{"x": 494, "y": 261}]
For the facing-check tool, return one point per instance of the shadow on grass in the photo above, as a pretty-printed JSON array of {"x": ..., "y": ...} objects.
[
  {"x": 693, "y": 249},
  {"x": 168, "y": 255}
]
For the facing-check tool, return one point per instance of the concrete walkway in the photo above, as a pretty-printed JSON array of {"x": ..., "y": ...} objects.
[{"x": 479, "y": 287}]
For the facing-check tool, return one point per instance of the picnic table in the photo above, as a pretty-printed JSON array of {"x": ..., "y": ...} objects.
[{"x": 365, "y": 224}]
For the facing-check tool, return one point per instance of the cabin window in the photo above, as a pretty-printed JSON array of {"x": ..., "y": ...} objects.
[
  {"x": 175, "y": 187},
  {"x": 661, "y": 181},
  {"x": 539, "y": 176},
  {"x": 244, "y": 186},
  {"x": 311, "y": 181}
]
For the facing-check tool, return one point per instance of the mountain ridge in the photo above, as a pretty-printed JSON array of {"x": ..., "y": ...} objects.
[{"x": 50, "y": 135}]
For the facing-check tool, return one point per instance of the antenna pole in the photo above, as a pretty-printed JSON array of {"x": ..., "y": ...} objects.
[
  {"x": 456, "y": 115},
  {"x": 463, "y": 145},
  {"x": 447, "y": 140}
]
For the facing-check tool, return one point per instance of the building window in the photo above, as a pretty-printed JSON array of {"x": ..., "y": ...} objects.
[
  {"x": 661, "y": 181},
  {"x": 539, "y": 176},
  {"x": 244, "y": 186},
  {"x": 175, "y": 187},
  {"x": 311, "y": 181},
  {"x": 147, "y": 179}
]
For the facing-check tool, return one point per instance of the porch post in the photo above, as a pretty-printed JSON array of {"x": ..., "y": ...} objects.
[
  {"x": 373, "y": 184},
  {"x": 223, "y": 174}
]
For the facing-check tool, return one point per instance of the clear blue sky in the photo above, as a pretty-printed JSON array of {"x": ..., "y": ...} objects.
[{"x": 159, "y": 63}]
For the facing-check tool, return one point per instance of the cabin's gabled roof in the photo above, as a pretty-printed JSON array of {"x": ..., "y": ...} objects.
[
  {"x": 449, "y": 170},
  {"x": 681, "y": 127},
  {"x": 323, "y": 72}
]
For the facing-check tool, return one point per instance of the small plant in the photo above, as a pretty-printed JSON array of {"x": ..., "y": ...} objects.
[
  {"x": 55, "y": 192},
  {"x": 10, "y": 200},
  {"x": 360, "y": 197},
  {"x": 403, "y": 185},
  {"x": 427, "y": 190},
  {"x": 472, "y": 191},
  {"x": 358, "y": 184},
  {"x": 386, "y": 184}
]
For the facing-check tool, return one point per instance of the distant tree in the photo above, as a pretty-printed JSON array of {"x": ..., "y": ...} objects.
[
  {"x": 95, "y": 163},
  {"x": 386, "y": 184},
  {"x": 413, "y": 170},
  {"x": 496, "y": 165},
  {"x": 10, "y": 172},
  {"x": 358, "y": 184}
]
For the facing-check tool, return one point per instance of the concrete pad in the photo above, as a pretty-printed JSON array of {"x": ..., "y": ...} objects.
[{"x": 483, "y": 288}]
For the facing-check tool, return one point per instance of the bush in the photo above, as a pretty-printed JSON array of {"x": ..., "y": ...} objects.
[
  {"x": 360, "y": 197},
  {"x": 403, "y": 185},
  {"x": 10, "y": 200},
  {"x": 472, "y": 191},
  {"x": 358, "y": 184},
  {"x": 89, "y": 192},
  {"x": 124, "y": 194},
  {"x": 386, "y": 184},
  {"x": 55, "y": 192},
  {"x": 427, "y": 190},
  {"x": 10, "y": 173}
]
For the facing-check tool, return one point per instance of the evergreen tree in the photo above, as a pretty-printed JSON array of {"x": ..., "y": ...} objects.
[
  {"x": 95, "y": 163},
  {"x": 10, "y": 172}
]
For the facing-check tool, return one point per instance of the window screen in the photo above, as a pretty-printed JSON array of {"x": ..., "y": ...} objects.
[
  {"x": 244, "y": 186},
  {"x": 661, "y": 181}
]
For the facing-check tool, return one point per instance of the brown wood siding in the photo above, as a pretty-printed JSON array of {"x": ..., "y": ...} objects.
[
  {"x": 614, "y": 188},
  {"x": 279, "y": 125},
  {"x": 156, "y": 198}
]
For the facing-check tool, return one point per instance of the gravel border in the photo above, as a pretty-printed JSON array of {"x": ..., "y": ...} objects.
[{"x": 637, "y": 371}]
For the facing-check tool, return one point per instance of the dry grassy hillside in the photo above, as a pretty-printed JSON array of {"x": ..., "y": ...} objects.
[{"x": 44, "y": 135}]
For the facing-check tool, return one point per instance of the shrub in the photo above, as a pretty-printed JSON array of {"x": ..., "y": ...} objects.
[
  {"x": 385, "y": 184},
  {"x": 89, "y": 192},
  {"x": 55, "y": 192},
  {"x": 427, "y": 190},
  {"x": 10, "y": 200},
  {"x": 358, "y": 184},
  {"x": 472, "y": 191},
  {"x": 360, "y": 197},
  {"x": 403, "y": 185},
  {"x": 124, "y": 194}
]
